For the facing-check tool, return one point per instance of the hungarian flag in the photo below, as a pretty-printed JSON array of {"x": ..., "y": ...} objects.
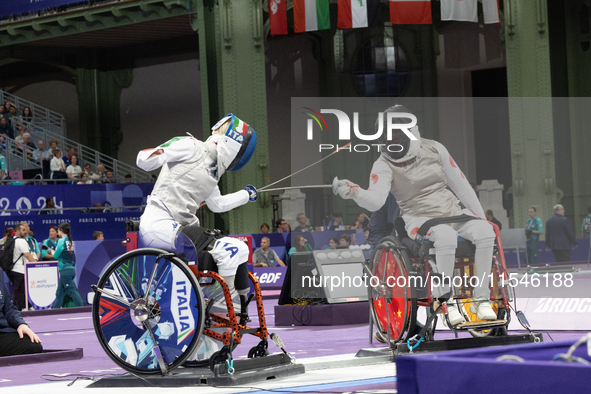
[
  {"x": 278, "y": 17},
  {"x": 410, "y": 12},
  {"x": 310, "y": 15},
  {"x": 358, "y": 13}
]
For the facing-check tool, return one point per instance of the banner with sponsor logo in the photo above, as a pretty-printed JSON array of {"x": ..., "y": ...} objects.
[
  {"x": 20, "y": 199},
  {"x": 41, "y": 280},
  {"x": 270, "y": 277},
  {"x": 21, "y": 6}
]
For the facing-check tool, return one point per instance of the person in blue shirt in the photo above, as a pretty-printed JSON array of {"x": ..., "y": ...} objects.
[
  {"x": 533, "y": 229},
  {"x": 586, "y": 226},
  {"x": 65, "y": 255}
]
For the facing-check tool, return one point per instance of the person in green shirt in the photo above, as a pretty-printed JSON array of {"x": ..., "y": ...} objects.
[
  {"x": 533, "y": 229},
  {"x": 50, "y": 244},
  {"x": 66, "y": 261},
  {"x": 586, "y": 226}
]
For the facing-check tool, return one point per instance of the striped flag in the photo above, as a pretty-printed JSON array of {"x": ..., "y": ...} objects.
[
  {"x": 410, "y": 12},
  {"x": 459, "y": 10},
  {"x": 358, "y": 13},
  {"x": 490, "y": 9},
  {"x": 278, "y": 17},
  {"x": 310, "y": 15}
]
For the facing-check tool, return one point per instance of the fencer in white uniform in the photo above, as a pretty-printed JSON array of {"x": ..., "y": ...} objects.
[
  {"x": 420, "y": 177},
  {"x": 190, "y": 173}
]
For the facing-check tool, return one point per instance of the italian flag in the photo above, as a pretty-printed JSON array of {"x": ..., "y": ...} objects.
[
  {"x": 310, "y": 15},
  {"x": 410, "y": 12},
  {"x": 357, "y": 13}
]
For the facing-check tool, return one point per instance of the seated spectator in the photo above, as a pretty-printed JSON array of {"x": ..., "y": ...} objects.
[
  {"x": 3, "y": 172},
  {"x": 66, "y": 159},
  {"x": 303, "y": 226},
  {"x": 98, "y": 207},
  {"x": 265, "y": 257},
  {"x": 27, "y": 145},
  {"x": 337, "y": 222},
  {"x": 43, "y": 157},
  {"x": 301, "y": 245},
  {"x": 16, "y": 338},
  {"x": 344, "y": 241},
  {"x": 73, "y": 169},
  {"x": 98, "y": 236},
  {"x": 49, "y": 207},
  {"x": 127, "y": 178},
  {"x": 362, "y": 222},
  {"x": 264, "y": 228},
  {"x": 2, "y": 142},
  {"x": 109, "y": 178},
  {"x": 53, "y": 147},
  {"x": 19, "y": 139},
  {"x": 27, "y": 115},
  {"x": 282, "y": 226},
  {"x": 6, "y": 128},
  {"x": 50, "y": 244},
  {"x": 7, "y": 233},
  {"x": 83, "y": 179},
  {"x": 1, "y": 109},
  {"x": 12, "y": 115},
  {"x": 333, "y": 243},
  {"x": 366, "y": 234},
  {"x": 100, "y": 174},
  {"x": 58, "y": 166}
]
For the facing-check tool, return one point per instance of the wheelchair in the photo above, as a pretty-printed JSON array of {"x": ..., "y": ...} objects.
[
  {"x": 154, "y": 309},
  {"x": 403, "y": 268}
]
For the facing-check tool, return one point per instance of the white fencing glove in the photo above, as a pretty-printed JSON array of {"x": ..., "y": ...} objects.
[{"x": 345, "y": 188}]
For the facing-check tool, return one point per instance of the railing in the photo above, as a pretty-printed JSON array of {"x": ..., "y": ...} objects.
[
  {"x": 14, "y": 160},
  {"x": 42, "y": 117},
  {"x": 84, "y": 153}
]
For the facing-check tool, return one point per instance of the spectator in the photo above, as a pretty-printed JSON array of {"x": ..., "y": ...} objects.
[
  {"x": 282, "y": 226},
  {"x": 301, "y": 245},
  {"x": 53, "y": 147},
  {"x": 98, "y": 207},
  {"x": 265, "y": 228},
  {"x": 559, "y": 235},
  {"x": 3, "y": 171},
  {"x": 65, "y": 255},
  {"x": 73, "y": 171},
  {"x": 13, "y": 329},
  {"x": 66, "y": 159},
  {"x": 27, "y": 115},
  {"x": 58, "y": 166},
  {"x": 22, "y": 254},
  {"x": 98, "y": 236},
  {"x": 43, "y": 157},
  {"x": 50, "y": 244},
  {"x": 127, "y": 178},
  {"x": 288, "y": 227},
  {"x": 533, "y": 229},
  {"x": 585, "y": 227},
  {"x": 366, "y": 234},
  {"x": 20, "y": 139},
  {"x": 7, "y": 233},
  {"x": 48, "y": 209},
  {"x": 344, "y": 241},
  {"x": 12, "y": 115},
  {"x": 362, "y": 222},
  {"x": 265, "y": 257},
  {"x": 100, "y": 175},
  {"x": 109, "y": 178},
  {"x": 302, "y": 227},
  {"x": 6, "y": 128},
  {"x": 492, "y": 219},
  {"x": 27, "y": 145},
  {"x": 1, "y": 109},
  {"x": 337, "y": 222},
  {"x": 2, "y": 141},
  {"x": 84, "y": 179},
  {"x": 333, "y": 243}
]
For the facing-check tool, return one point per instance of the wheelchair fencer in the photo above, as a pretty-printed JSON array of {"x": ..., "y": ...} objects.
[
  {"x": 405, "y": 270},
  {"x": 162, "y": 305}
]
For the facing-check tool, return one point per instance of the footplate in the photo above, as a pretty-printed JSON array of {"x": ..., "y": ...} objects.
[{"x": 481, "y": 325}]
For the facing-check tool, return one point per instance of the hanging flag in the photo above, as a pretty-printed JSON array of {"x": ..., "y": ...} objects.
[
  {"x": 459, "y": 10},
  {"x": 490, "y": 9},
  {"x": 278, "y": 17},
  {"x": 358, "y": 13},
  {"x": 410, "y": 12},
  {"x": 310, "y": 15}
]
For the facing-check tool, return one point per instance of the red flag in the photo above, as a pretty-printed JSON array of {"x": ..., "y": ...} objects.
[
  {"x": 410, "y": 12},
  {"x": 278, "y": 17}
]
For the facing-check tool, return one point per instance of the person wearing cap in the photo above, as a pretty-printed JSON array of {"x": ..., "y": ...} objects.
[
  {"x": 191, "y": 170},
  {"x": 427, "y": 183}
]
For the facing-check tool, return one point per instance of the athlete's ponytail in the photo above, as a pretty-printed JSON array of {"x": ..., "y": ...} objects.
[{"x": 65, "y": 228}]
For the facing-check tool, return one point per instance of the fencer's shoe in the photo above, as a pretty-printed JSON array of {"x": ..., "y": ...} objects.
[
  {"x": 379, "y": 337},
  {"x": 483, "y": 310},
  {"x": 454, "y": 315}
]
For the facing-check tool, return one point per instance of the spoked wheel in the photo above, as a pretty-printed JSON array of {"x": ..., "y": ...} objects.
[
  {"x": 148, "y": 311},
  {"x": 392, "y": 306}
]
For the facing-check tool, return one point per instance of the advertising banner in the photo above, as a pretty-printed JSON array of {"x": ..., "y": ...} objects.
[{"x": 42, "y": 279}]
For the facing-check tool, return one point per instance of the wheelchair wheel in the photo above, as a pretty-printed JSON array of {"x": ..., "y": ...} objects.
[
  {"x": 392, "y": 307},
  {"x": 148, "y": 311}
]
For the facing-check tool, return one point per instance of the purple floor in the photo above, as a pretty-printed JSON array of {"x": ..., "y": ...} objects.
[{"x": 68, "y": 331}]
